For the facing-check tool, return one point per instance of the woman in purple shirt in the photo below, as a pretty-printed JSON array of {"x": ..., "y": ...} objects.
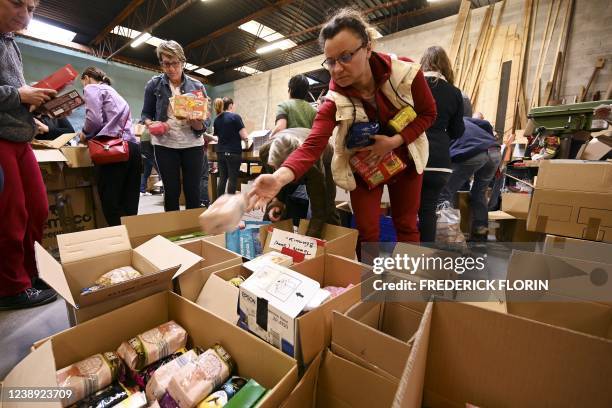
[{"x": 108, "y": 114}]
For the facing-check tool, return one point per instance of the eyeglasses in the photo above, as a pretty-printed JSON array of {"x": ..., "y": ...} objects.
[
  {"x": 343, "y": 59},
  {"x": 174, "y": 64}
]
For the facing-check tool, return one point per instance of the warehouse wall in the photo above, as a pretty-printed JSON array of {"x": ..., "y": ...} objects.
[{"x": 590, "y": 34}]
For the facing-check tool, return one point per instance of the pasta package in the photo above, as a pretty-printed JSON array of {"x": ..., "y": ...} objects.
[
  {"x": 89, "y": 376},
  {"x": 152, "y": 345},
  {"x": 107, "y": 397},
  {"x": 119, "y": 275},
  {"x": 195, "y": 381},
  {"x": 158, "y": 384}
]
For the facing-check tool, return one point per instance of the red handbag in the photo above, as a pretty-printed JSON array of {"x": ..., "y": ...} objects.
[{"x": 108, "y": 150}]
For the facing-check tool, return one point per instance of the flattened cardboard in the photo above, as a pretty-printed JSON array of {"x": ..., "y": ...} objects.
[
  {"x": 44, "y": 156},
  {"x": 90, "y": 244},
  {"x": 52, "y": 273},
  {"x": 255, "y": 359},
  {"x": 56, "y": 143},
  {"x": 141, "y": 228},
  {"x": 304, "y": 393},
  {"x": 577, "y": 248},
  {"x": 77, "y": 156},
  {"x": 491, "y": 359},
  {"x": 219, "y": 298},
  {"x": 163, "y": 254}
]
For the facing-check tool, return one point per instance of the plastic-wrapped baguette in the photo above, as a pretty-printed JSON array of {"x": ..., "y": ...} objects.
[
  {"x": 89, "y": 376},
  {"x": 152, "y": 345},
  {"x": 158, "y": 384},
  {"x": 195, "y": 381},
  {"x": 224, "y": 214}
]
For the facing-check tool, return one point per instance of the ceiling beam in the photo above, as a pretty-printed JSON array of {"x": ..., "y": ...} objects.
[
  {"x": 125, "y": 13},
  {"x": 375, "y": 22},
  {"x": 231, "y": 27}
]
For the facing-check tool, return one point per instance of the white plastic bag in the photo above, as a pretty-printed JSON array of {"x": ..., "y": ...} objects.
[{"x": 448, "y": 227}]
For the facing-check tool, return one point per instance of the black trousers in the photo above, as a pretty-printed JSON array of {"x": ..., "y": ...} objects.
[
  {"x": 229, "y": 169},
  {"x": 118, "y": 187},
  {"x": 170, "y": 164},
  {"x": 433, "y": 183}
]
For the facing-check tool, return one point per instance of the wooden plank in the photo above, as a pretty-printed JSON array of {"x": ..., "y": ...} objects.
[
  {"x": 548, "y": 92},
  {"x": 538, "y": 73},
  {"x": 513, "y": 92},
  {"x": 488, "y": 94},
  {"x": 548, "y": 42},
  {"x": 522, "y": 109},
  {"x": 462, "y": 17},
  {"x": 491, "y": 37},
  {"x": 502, "y": 99},
  {"x": 599, "y": 64},
  {"x": 476, "y": 58},
  {"x": 522, "y": 61},
  {"x": 566, "y": 30}
]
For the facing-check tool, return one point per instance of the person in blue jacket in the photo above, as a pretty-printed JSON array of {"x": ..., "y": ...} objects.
[{"x": 477, "y": 153}]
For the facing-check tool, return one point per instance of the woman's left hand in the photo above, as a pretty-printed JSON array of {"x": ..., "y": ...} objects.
[{"x": 382, "y": 145}]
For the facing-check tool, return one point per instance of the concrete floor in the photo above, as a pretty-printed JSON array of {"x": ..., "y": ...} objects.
[{"x": 21, "y": 328}]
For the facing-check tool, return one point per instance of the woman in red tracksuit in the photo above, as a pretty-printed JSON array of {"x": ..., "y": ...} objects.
[{"x": 358, "y": 72}]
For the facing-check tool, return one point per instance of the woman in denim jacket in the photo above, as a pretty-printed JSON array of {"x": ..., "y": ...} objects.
[{"x": 178, "y": 146}]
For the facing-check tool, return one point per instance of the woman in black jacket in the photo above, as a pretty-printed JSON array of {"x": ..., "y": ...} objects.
[{"x": 448, "y": 125}]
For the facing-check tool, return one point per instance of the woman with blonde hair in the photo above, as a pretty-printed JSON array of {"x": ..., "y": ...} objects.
[
  {"x": 448, "y": 126},
  {"x": 230, "y": 130},
  {"x": 177, "y": 143}
]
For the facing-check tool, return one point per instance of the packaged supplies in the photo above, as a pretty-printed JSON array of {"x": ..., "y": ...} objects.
[
  {"x": 195, "y": 381},
  {"x": 248, "y": 396},
  {"x": 402, "y": 119},
  {"x": 273, "y": 256},
  {"x": 62, "y": 104},
  {"x": 158, "y": 384},
  {"x": 237, "y": 281},
  {"x": 225, "y": 392},
  {"x": 119, "y": 275},
  {"x": 58, "y": 79},
  {"x": 336, "y": 291},
  {"x": 224, "y": 214},
  {"x": 360, "y": 133},
  {"x": 320, "y": 297},
  {"x": 168, "y": 402},
  {"x": 375, "y": 175},
  {"x": 246, "y": 241},
  {"x": 141, "y": 378},
  {"x": 189, "y": 106},
  {"x": 152, "y": 345},
  {"x": 107, "y": 397},
  {"x": 89, "y": 375},
  {"x": 137, "y": 400}
]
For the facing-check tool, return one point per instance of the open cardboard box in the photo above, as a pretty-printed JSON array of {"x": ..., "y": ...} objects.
[
  {"x": 516, "y": 204},
  {"x": 379, "y": 336},
  {"x": 491, "y": 359},
  {"x": 254, "y": 358},
  {"x": 142, "y": 228},
  {"x": 87, "y": 255},
  {"x": 578, "y": 248},
  {"x": 74, "y": 156},
  {"x": 313, "y": 328},
  {"x": 573, "y": 198},
  {"x": 572, "y": 301}
]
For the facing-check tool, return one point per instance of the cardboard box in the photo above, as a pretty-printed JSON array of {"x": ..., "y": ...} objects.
[
  {"x": 87, "y": 255},
  {"x": 573, "y": 198},
  {"x": 313, "y": 328},
  {"x": 515, "y": 230},
  {"x": 57, "y": 150},
  {"x": 254, "y": 358},
  {"x": 578, "y": 248},
  {"x": 573, "y": 300},
  {"x": 142, "y": 228},
  {"x": 334, "y": 239},
  {"x": 491, "y": 359},
  {"x": 380, "y": 336},
  {"x": 516, "y": 204},
  {"x": 69, "y": 211},
  {"x": 596, "y": 149},
  {"x": 332, "y": 381}
]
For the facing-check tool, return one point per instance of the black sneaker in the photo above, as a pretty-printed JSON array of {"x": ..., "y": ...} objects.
[
  {"x": 40, "y": 284},
  {"x": 30, "y": 297}
]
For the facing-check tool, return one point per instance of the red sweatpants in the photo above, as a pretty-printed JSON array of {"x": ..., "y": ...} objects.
[
  {"x": 405, "y": 196},
  {"x": 23, "y": 212}
]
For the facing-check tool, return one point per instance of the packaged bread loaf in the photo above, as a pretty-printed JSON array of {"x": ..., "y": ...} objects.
[
  {"x": 158, "y": 383},
  {"x": 195, "y": 381},
  {"x": 223, "y": 215},
  {"x": 118, "y": 275},
  {"x": 152, "y": 345},
  {"x": 141, "y": 378},
  {"x": 89, "y": 376}
]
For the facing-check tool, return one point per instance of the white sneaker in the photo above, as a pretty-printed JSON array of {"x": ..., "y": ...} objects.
[{"x": 146, "y": 193}]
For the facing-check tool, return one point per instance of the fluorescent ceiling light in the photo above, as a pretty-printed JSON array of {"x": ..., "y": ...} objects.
[
  {"x": 140, "y": 39},
  {"x": 261, "y": 31},
  {"x": 125, "y": 32},
  {"x": 204, "y": 71},
  {"x": 49, "y": 32},
  {"x": 247, "y": 70},
  {"x": 154, "y": 41},
  {"x": 190, "y": 67},
  {"x": 279, "y": 45}
]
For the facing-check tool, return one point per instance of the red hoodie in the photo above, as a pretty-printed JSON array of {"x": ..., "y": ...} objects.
[{"x": 324, "y": 123}]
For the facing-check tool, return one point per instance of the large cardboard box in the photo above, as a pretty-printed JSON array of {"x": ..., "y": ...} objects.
[
  {"x": 578, "y": 248},
  {"x": 313, "y": 328},
  {"x": 74, "y": 156},
  {"x": 491, "y": 359},
  {"x": 70, "y": 210},
  {"x": 142, "y": 228},
  {"x": 575, "y": 299},
  {"x": 380, "y": 336},
  {"x": 87, "y": 255},
  {"x": 334, "y": 382},
  {"x": 573, "y": 198},
  {"x": 254, "y": 358},
  {"x": 516, "y": 204}
]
